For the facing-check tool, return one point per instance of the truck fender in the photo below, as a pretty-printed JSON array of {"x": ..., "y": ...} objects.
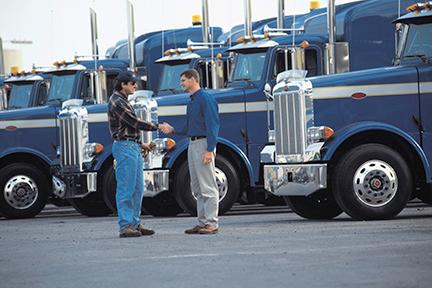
[
  {"x": 102, "y": 158},
  {"x": 342, "y": 135},
  {"x": 182, "y": 146},
  {"x": 25, "y": 150}
]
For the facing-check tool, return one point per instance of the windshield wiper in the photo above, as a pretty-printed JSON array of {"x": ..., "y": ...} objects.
[
  {"x": 55, "y": 100},
  {"x": 248, "y": 80},
  {"x": 423, "y": 57},
  {"x": 172, "y": 90}
]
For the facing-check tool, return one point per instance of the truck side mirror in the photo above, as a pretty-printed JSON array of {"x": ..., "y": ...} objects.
[{"x": 267, "y": 92}]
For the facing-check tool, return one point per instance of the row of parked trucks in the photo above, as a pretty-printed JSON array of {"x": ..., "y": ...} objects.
[{"x": 356, "y": 141}]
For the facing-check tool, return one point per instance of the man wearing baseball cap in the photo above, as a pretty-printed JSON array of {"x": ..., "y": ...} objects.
[{"x": 125, "y": 131}]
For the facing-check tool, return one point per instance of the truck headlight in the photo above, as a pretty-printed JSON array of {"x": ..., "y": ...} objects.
[
  {"x": 161, "y": 145},
  {"x": 91, "y": 149},
  {"x": 319, "y": 134}
]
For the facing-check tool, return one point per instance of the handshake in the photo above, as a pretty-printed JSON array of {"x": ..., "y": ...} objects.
[{"x": 166, "y": 128}]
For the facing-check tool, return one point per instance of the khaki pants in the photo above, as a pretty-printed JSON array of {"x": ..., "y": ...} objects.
[{"x": 203, "y": 183}]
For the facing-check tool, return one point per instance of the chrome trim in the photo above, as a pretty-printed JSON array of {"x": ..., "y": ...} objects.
[
  {"x": 375, "y": 183},
  {"x": 267, "y": 154},
  {"x": 155, "y": 181},
  {"x": 76, "y": 185},
  {"x": 295, "y": 179},
  {"x": 20, "y": 192}
]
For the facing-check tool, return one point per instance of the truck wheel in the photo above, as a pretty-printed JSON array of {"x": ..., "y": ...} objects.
[
  {"x": 320, "y": 205},
  {"x": 108, "y": 189},
  {"x": 24, "y": 190},
  {"x": 372, "y": 182},
  {"x": 227, "y": 180},
  {"x": 162, "y": 205},
  {"x": 92, "y": 205}
]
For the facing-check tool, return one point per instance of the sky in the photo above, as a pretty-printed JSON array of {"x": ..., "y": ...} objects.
[{"x": 60, "y": 29}]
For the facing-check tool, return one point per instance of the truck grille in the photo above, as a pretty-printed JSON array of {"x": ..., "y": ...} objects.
[
  {"x": 290, "y": 124},
  {"x": 71, "y": 146}
]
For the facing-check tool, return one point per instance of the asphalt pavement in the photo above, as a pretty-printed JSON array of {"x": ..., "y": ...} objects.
[{"x": 256, "y": 247}]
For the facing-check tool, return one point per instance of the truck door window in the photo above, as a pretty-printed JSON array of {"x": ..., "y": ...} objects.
[
  {"x": 419, "y": 41},
  {"x": 61, "y": 87},
  {"x": 170, "y": 79},
  {"x": 20, "y": 96},
  {"x": 249, "y": 66},
  {"x": 282, "y": 59}
]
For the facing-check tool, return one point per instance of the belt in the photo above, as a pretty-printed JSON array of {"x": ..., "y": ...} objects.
[
  {"x": 130, "y": 139},
  {"x": 193, "y": 138}
]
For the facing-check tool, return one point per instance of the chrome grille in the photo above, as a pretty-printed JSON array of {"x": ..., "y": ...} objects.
[
  {"x": 73, "y": 128},
  {"x": 289, "y": 113}
]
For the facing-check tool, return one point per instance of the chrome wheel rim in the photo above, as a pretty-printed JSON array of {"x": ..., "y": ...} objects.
[
  {"x": 375, "y": 183},
  {"x": 222, "y": 184},
  {"x": 20, "y": 192}
]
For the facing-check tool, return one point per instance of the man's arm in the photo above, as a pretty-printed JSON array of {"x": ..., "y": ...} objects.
[
  {"x": 211, "y": 117},
  {"x": 123, "y": 111}
]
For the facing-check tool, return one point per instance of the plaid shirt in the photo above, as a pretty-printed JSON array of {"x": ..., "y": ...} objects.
[{"x": 123, "y": 122}]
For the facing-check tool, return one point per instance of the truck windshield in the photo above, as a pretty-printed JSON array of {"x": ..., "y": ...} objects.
[
  {"x": 249, "y": 66},
  {"x": 419, "y": 41},
  {"x": 19, "y": 96},
  {"x": 171, "y": 76},
  {"x": 61, "y": 87}
]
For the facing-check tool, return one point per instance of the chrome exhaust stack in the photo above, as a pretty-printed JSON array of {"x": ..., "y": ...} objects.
[
  {"x": 248, "y": 19},
  {"x": 94, "y": 36},
  {"x": 131, "y": 36},
  {"x": 331, "y": 27},
  {"x": 281, "y": 14},
  {"x": 205, "y": 21}
]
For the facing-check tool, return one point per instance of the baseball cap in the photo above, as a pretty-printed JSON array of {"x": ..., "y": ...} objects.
[{"x": 126, "y": 76}]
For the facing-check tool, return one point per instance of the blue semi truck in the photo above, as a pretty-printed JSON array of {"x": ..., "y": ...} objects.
[
  {"x": 357, "y": 142},
  {"x": 257, "y": 61}
]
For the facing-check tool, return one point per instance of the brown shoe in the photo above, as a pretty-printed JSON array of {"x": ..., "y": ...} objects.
[
  {"x": 129, "y": 232},
  {"x": 194, "y": 230},
  {"x": 208, "y": 229},
  {"x": 144, "y": 232}
]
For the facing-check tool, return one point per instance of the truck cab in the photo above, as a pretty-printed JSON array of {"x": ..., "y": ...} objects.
[
  {"x": 365, "y": 149},
  {"x": 24, "y": 91}
]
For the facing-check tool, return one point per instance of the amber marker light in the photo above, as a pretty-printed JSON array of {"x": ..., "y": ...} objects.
[
  {"x": 412, "y": 8},
  {"x": 99, "y": 148},
  {"x": 328, "y": 133},
  {"x": 170, "y": 144},
  {"x": 304, "y": 44}
]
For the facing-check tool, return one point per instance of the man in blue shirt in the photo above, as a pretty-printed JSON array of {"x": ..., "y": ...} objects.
[{"x": 202, "y": 128}]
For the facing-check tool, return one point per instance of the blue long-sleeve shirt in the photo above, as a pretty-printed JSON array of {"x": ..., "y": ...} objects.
[{"x": 202, "y": 118}]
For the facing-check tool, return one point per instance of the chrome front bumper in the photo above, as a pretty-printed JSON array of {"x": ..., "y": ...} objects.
[
  {"x": 155, "y": 181},
  {"x": 295, "y": 179},
  {"x": 74, "y": 185}
]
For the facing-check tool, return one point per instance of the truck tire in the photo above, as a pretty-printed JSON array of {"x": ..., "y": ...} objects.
[
  {"x": 320, "y": 205},
  {"x": 372, "y": 182},
  {"x": 162, "y": 205},
  {"x": 227, "y": 180},
  {"x": 92, "y": 205},
  {"x": 24, "y": 190},
  {"x": 108, "y": 189}
]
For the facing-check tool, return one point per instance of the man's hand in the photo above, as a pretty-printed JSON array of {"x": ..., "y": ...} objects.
[
  {"x": 147, "y": 147},
  {"x": 207, "y": 157},
  {"x": 166, "y": 128}
]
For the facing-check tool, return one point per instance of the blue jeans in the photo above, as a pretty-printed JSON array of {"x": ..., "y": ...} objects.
[{"x": 130, "y": 182}]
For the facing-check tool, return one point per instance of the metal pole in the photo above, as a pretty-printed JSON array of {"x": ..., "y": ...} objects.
[
  {"x": 331, "y": 26},
  {"x": 248, "y": 18},
  {"x": 94, "y": 36},
  {"x": 205, "y": 21},
  {"x": 281, "y": 14},
  {"x": 2, "y": 68},
  {"x": 131, "y": 36}
]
